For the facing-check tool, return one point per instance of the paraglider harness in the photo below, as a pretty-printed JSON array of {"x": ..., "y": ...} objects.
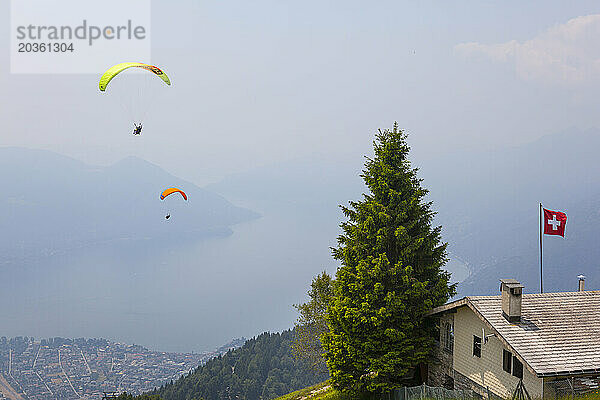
[{"x": 137, "y": 129}]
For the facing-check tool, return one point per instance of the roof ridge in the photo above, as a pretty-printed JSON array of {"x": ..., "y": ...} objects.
[
  {"x": 549, "y": 294},
  {"x": 559, "y": 294}
]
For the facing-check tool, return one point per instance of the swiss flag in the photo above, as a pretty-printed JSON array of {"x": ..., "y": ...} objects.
[{"x": 554, "y": 222}]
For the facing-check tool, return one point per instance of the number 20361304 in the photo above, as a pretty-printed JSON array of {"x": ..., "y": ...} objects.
[{"x": 45, "y": 47}]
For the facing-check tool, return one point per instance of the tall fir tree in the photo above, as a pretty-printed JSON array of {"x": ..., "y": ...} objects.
[{"x": 390, "y": 276}]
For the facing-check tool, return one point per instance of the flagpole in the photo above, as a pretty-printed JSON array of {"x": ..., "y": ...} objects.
[{"x": 541, "y": 254}]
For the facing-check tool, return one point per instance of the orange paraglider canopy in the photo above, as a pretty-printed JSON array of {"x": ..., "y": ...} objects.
[{"x": 170, "y": 191}]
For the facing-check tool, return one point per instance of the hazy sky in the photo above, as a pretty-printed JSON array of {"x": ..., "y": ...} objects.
[
  {"x": 264, "y": 81},
  {"x": 259, "y": 83}
]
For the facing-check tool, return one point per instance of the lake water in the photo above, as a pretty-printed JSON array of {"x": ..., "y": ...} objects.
[{"x": 174, "y": 295}]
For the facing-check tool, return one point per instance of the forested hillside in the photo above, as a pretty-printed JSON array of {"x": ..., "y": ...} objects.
[{"x": 263, "y": 368}]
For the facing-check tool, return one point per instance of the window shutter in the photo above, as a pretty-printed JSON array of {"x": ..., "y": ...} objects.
[{"x": 506, "y": 360}]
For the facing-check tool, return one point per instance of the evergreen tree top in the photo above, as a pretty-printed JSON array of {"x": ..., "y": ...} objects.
[
  {"x": 392, "y": 219},
  {"x": 391, "y": 275}
]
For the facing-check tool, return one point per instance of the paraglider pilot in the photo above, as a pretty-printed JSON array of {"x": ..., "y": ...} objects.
[{"x": 137, "y": 128}]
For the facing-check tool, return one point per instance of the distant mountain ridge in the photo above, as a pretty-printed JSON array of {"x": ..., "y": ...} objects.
[
  {"x": 489, "y": 207},
  {"x": 487, "y": 204},
  {"x": 53, "y": 203}
]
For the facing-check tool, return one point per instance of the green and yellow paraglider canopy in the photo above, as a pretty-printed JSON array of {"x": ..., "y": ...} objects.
[{"x": 117, "y": 69}]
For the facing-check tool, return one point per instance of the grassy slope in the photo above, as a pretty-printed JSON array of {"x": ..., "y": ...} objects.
[{"x": 320, "y": 391}]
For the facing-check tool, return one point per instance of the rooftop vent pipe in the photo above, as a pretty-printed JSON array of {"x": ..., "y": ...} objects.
[{"x": 581, "y": 282}]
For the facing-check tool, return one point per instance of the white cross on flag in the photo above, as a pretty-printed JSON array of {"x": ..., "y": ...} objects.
[{"x": 554, "y": 222}]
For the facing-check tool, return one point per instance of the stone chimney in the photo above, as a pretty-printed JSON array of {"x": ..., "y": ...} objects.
[
  {"x": 512, "y": 292},
  {"x": 581, "y": 282}
]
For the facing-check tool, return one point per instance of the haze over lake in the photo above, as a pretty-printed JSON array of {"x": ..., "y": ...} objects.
[{"x": 169, "y": 294}]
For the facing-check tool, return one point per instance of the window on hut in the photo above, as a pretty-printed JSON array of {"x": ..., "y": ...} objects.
[
  {"x": 447, "y": 336},
  {"x": 517, "y": 369},
  {"x": 476, "y": 346},
  {"x": 506, "y": 360}
]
